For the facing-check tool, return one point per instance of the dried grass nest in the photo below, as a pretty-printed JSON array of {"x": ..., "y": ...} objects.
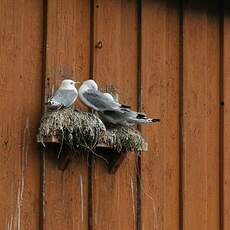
[{"x": 84, "y": 131}]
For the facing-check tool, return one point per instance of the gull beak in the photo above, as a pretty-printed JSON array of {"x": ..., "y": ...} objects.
[{"x": 77, "y": 82}]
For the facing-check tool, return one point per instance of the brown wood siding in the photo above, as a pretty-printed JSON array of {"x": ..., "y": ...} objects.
[
  {"x": 20, "y": 106},
  {"x": 160, "y": 88},
  {"x": 201, "y": 117},
  {"x": 67, "y": 54},
  {"x": 225, "y": 137},
  {"x": 115, "y": 63},
  {"x": 168, "y": 58}
]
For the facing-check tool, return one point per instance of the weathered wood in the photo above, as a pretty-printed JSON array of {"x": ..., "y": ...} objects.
[
  {"x": 115, "y": 63},
  {"x": 226, "y": 119},
  {"x": 20, "y": 106},
  {"x": 160, "y": 83},
  {"x": 65, "y": 159},
  {"x": 107, "y": 152},
  {"x": 116, "y": 162},
  {"x": 184, "y": 182},
  {"x": 112, "y": 158},
  {"x": 201, "y": 116},
  {"x": 66, "y": 198}
]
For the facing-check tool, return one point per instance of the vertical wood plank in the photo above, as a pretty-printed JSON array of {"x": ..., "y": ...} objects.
[
  {"x": 66, "y": 197},
  {"x": 160, "y": 85},
  {"x": 226, "y": 136},
  {"x": 20, "y": 92},
  {"x": 115, "y": 64},
  {"x": 201, "y": 116}
]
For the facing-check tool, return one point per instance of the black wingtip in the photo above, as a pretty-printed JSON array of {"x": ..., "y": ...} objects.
[
  {"x": 156, "y": 120},
  {"x": 140, "y": 116},
  {"x": 125, "y": 106}
]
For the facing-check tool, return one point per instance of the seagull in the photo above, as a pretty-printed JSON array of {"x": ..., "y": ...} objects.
[
  {"x": 110, "y": 110},
  {"x": 125, "y": 118},
  {"x": 64, "y": 97},
  {"x": 96, "y": 100}
]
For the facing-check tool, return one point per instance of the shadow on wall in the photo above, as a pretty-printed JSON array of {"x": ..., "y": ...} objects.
[{"x": 213, "y": 7}]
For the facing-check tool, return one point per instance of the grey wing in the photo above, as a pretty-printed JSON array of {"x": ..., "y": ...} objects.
[
  {"x": 65, "y": 97},
  {"x": 115, "y": 117},
  {"x": 99, "y": 101},
  {"x": 127, "y": 118}
]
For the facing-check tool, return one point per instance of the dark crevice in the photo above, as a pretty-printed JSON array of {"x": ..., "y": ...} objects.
[
  {"x": 221, "y": 113},
  {"x": 42, "y": 192},
  {"x": 181, "y": 111},
  {"x": 90, "y": 193},
  {"x": 91, "y": 39},
  {"x": 138, "y": 189},
  {"x": 139, "y": 107},
  {"x": 90, "y": 160},
  {"x": 43, "y": 87}
]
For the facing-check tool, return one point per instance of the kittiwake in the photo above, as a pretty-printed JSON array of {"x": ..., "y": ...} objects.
[
  {"x": 64, "y": 97},
  {"x": 125, "y": 118},
  {"x": 96, "y": 100}
]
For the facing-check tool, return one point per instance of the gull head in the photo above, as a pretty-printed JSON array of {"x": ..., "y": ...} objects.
[
  {"x": 109, "y": 96},
  {"x": 68, "y": 84},
  {"x": 90, "y": 84}
]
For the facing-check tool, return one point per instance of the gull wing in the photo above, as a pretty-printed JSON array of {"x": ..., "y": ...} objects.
[
  {"x": 64, "y": 97},
  {"x": 98, "y": 101}
]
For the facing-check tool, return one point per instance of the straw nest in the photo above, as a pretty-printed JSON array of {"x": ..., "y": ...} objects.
[{"x": 84, "y": 131}]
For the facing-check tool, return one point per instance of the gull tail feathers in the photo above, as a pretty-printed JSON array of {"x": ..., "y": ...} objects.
[{"x": 141, "y": 118}]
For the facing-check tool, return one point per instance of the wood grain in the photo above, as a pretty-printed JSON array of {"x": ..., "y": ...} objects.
[
  {"x": 226, "y": 120},
  {"x": 180, "y": 67},
  {"x": 66, "y": 192},
  {"x": 160, "y": 85},
  {"x": 201, "y": 117},
  {"x": 115, "y": 64},
  {"x": 20, "y": 92}
]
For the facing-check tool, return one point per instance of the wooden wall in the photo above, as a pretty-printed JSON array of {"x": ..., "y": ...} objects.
[{"x": 169, "y": 58}]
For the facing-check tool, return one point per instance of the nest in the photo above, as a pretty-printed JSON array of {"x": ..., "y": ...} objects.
[
  {"x": 85, "y": 131},
  {"x": 123, "y": 139},
  {"x": 80, "y": 130}
]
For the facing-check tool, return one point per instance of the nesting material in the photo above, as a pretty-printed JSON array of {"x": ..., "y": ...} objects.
[
  {"x": 80, "y": 130},
  {"x": 85, "y": 132},
  {"x": 123, "y": 139}
]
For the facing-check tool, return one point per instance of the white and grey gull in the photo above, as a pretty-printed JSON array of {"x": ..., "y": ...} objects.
[
  {"x": 110, "y": 110},
  {"x": 96, "y": 100},
  {"x": 64, "y": 97},
  {"x": 127, "y": 118}
]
